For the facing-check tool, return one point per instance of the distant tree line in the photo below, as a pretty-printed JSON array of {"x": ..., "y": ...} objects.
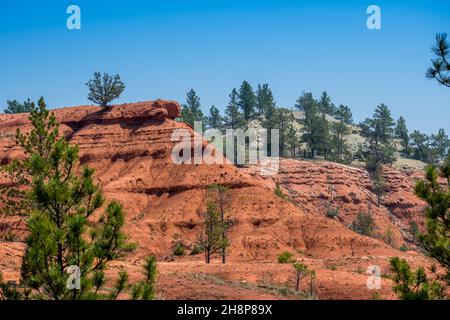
[{"x": 317, "y": 128}]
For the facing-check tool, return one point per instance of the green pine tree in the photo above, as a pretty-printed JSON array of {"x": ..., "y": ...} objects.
[
  {"x": 233, "y": 117},
  {"x": 439, "y": 143},
  {"x": 293, "y": 140},
  {"x": 379, "y": 130},
  {"x": 305, "y": 101},
  {"x": 340, "y": 150},
  {"x": 191, "y": 110},
  {"x": 283, "y": 121},
  {"x": 325, "y": 104},
  {"x": 247, "y": 101},
  {"x": 440, "y": 69},
  {"x": 211, "y": 239},
  {"x": 413, "y": 285},
  {"x": 14, "y": 106},
  {"x": 436, "y": 240},
  {"x": 316, "y": 128},
  {"x": 401, "y": 132},
  {"x": 264, "y": 99},
  {"x": 145, "y": 289},
  {"x": 420, "y": 145},
  {"x": 215, "y": 120},
  {"x": 221, "y": 195}
]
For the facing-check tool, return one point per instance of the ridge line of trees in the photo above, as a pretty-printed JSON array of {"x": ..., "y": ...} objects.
[{"x": 317, "y": 128}]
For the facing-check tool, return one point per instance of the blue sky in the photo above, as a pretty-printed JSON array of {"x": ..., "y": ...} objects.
[{"x": 162, "y": 49}]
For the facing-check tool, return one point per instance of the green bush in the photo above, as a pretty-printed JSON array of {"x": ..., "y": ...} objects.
[
  {"x": 332, "y": 213},
  {"x": 178, "y": 250},
  {"x": 285, "y": 257},
  {"x": 196, "y": 250},
  {"x": 364, "y": 224}
]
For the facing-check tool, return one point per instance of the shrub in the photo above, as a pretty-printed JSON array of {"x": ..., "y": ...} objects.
[
  {"x": 389, "y": 237},
  {"x": 285, "y": 257},
  {"x": 196, "y": 250},
  {"x": 332, "y": 213},
  {"x": 363, "y": 224},
  {"x": 178, "y": 250},
  {"x": 332, "y": 267}
]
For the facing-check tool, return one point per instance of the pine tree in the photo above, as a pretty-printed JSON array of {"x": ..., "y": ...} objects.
[
  {"x": 104, "y": 88},
  {"x": 247, "y": 101},
  {"x": 325, "y": 104},
  {"x": 283, "y": 120},
  {"x": 379, "y": 131},
  {"x": 59, "y": 200},
  {"x": 264, "y": 99},
  {"x": 420, "y": 145},
  {"x": 145, "y": 289},
  {"x": 215, "y": 120},
  {"x": 436, "y": 240},
  {"x": 384, "y": 124},
  {"x": 14, "y": 106},
  {"x": 401, "y": 132},
  {"x": 440, "y": 69},
  {"x": 340, "y": 149},
  {"x": 316, "y": 128},
  {"x": 293, "y": 140},
  {"x": 305, "y": 101},
  {"x": 211, "y": 239},
  {"x": 191, "y": 110},
  {"x": 220, "y": 194},
  {"x": 414, "y": 285},
  {"x": 379, "y": 185},
  {"x": 233, "y": 117},
  {"x": 440, "y": 144}
]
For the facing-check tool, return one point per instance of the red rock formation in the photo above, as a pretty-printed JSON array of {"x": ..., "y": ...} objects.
[
  {"x": 130, "y": 147},
  {"x": 316, "y": 186}
]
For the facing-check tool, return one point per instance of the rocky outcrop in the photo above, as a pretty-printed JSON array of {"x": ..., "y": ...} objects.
[
  {"x": 318, "y": 186},
  {"x": 130, "y": 147}
]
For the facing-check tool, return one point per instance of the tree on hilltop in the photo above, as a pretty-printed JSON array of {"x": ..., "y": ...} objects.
[
  {"x": 264, "y": 99},
  {"x": 234, "y": 119},
  {"x": 192, "y": 110},
  {"x": 247, "y": 101},
  {"x": 14, "y": 106},
  {"x": 104, "y": 88}
]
